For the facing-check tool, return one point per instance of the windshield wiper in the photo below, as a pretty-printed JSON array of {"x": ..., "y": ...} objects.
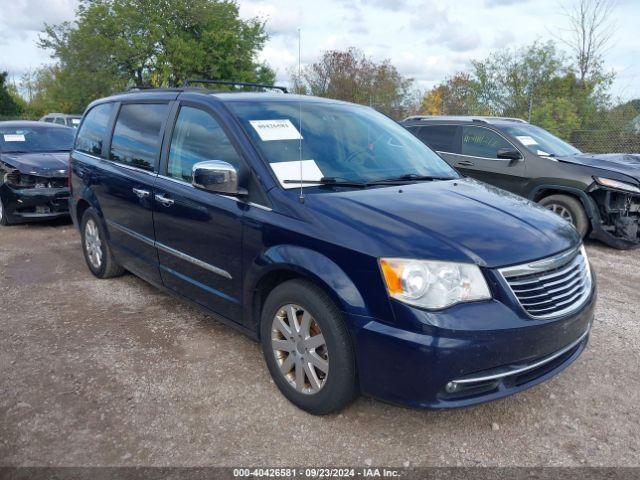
[
  {"x": 410, "y": 177},
  {"x": 331, "y": 181}
]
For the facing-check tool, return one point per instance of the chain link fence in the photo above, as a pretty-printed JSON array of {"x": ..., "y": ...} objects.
[{"x": 606, "y": 141}]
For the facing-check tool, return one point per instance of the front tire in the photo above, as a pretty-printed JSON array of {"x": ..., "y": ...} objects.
[
  {"x": 96, "y": 251},
  {"x": 307, "y": 348},
  {"x": 570, "y": 209}
]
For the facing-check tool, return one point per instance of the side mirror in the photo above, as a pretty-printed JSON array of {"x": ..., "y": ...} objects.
[
  {"x": 216, "y": 176},
  {"x": 509, "y": 154}
]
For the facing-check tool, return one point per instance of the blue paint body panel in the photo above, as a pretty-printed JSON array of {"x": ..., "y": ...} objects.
[{"x": 226, "y": 248}]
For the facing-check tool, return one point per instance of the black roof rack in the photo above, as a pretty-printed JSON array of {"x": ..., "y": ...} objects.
[{"x": 187, "y": 83}]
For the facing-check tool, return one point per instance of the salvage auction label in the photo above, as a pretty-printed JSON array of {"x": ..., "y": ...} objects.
[
  {"x": 275, "y": 130},
  {"x": 14, "y": 138}
]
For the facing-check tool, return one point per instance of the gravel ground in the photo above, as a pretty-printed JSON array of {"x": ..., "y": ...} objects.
[{"x": 114, "y": 372}]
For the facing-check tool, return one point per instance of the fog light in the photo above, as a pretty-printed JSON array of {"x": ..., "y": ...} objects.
[{"x": 451, "y": 387}]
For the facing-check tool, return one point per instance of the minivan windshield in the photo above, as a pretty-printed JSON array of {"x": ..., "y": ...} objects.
[
  {"x": 349, "y": 143},
  {"x": 540, "y": 142},
  {"x": 32, "y": 139}
]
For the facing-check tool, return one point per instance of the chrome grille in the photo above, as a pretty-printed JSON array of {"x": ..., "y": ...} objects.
[{"x": 551, "y": 287}]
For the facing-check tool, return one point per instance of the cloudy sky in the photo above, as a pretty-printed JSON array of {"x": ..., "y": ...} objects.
[{"x": 426, "y": 39}]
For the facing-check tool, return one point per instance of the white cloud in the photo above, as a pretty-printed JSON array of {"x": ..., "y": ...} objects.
[
  {"x": 501, "y": 3},
  {"x": 428, "y": 40},
  {"x": 457, "y": 38},
  {"x": 428, "y": 15},
  {"x": 20, "y": 16},
  {"x": 279, "y": 21}
]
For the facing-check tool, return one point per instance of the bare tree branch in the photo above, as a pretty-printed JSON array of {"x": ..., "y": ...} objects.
[{"x": 589, "y": 33}]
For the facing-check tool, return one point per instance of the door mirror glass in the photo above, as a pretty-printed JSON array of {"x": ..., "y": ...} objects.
[
  {"x": 216, "y": 176},
  {"x": 509, "y": 154}
]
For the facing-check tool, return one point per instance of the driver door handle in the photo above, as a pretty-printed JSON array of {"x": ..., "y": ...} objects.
[
  {"x": 466, "y": 163},
  {"x": 141, "y": 193},
  {"x": 167, "y": 202}
]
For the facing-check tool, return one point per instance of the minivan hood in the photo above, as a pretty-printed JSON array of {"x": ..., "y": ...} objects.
[
  {"x": 46, "y": 164},
  {"x": 625, "y": 163},
  {"x": 462, "y": 220}
]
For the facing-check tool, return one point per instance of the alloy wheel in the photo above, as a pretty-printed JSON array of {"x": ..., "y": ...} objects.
[
  {"x": 300, "y": 349},
  {"x": 562, "y": 211},
  {"x": 93, "y": 244}
]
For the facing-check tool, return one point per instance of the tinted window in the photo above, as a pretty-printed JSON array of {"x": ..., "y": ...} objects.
[
  {"x": 35, "y": 139},
  {"x": 198, "y": 137},
  {"x": 482, "y": 142},
  {"x": 59, "y": 120},
  {"x": 342, "y": 140},
  {"x": 48, "y": 120},
  {"x": 91, "y": 134},
  {"x": 440, "y": 138},
  {"x": 136, "y": 137},
  {"x": 539, "y": 141}
]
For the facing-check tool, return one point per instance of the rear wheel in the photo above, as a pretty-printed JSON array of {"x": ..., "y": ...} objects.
[
  {"x": 570, "y": 209},
  {"x": 96, "y": 251},
  {"x": 307, "y": 348}
]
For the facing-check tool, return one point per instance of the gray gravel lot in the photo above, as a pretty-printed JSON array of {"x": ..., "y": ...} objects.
[{"x": 114, "y": 372}]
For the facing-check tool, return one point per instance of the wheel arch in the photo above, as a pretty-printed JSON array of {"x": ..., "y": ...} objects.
[
  {"x": 589, "y": 205},
  {"x": 288, "y": 262},
  {"x": 81, "y": 206}
]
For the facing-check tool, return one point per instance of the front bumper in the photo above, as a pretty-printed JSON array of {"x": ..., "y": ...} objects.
[
  {"x": 31, "y": 204},
  {"x": 414, "y": 368}
]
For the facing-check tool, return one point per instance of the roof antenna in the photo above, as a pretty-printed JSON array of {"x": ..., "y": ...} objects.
[{"x": 301, "y": 197}]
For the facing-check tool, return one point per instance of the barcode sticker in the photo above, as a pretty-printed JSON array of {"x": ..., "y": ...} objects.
[
  {"x": 270, "y": 130},
  {"x": 14, "y": 137}
]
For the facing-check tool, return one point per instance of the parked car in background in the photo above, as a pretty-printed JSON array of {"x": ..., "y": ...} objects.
[
  {"x": 599, "y": 194},
  {"x": 62, "y": 119},
  {"x": 34, "y": 160},
  {"x": 359, "y": 259}
]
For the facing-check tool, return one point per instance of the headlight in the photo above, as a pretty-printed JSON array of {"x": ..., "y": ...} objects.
[
  {"x": 16, "y": 179},
  {"x": 431, "y": 284},
  {"x": 627, "y": 187}
]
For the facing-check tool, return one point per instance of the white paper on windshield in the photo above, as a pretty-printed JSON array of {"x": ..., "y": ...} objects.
[
  {"x": 275, "y": 130},
  {"x": 14, "y": 137},
  {"x": 291, "y": 171},
  {"x": 526, "y": 140},
  {"x": 542, "y": 153}
]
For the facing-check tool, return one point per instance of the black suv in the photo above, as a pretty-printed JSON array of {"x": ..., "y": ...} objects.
[{"x": 598, "y": 194}]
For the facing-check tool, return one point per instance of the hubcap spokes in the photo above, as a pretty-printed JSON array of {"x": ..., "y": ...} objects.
[
  {"x": 560, "y": 210},
  {"x": 93, "y": 244},
  {"x": 300, "y": 349}
]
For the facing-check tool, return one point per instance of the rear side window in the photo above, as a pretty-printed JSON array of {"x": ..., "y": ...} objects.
[
  {"x": 482, "y": 142},
  {"x": 94, "y": 128},
  {"x": 48, "y": 119},
  {"x": 136, "y": 137},
  {"x": 59, "y": 120},
  {"x": 440, "y": 138},
  {"x": 198, "y": 137}
]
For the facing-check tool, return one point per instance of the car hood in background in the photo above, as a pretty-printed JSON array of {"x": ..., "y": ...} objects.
[
  {"x": 46, "y": 164},
  {"x": 462, "y": 220},
  {"x": 625, "y": 163}
]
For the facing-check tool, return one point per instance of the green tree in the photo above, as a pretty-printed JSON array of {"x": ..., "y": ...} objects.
[
  {"x": 456, "y": 96},
  {"x": 537, "y": 83},
  {"x": 115, "y": 44},
  {"x": 512, "y": 82},
  {"x": 351, "y": 76},
  {"x": 10, "y": 105}
]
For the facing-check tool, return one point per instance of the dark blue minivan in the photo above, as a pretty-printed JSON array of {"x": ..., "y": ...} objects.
[{"x": 360, "y": 260}]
